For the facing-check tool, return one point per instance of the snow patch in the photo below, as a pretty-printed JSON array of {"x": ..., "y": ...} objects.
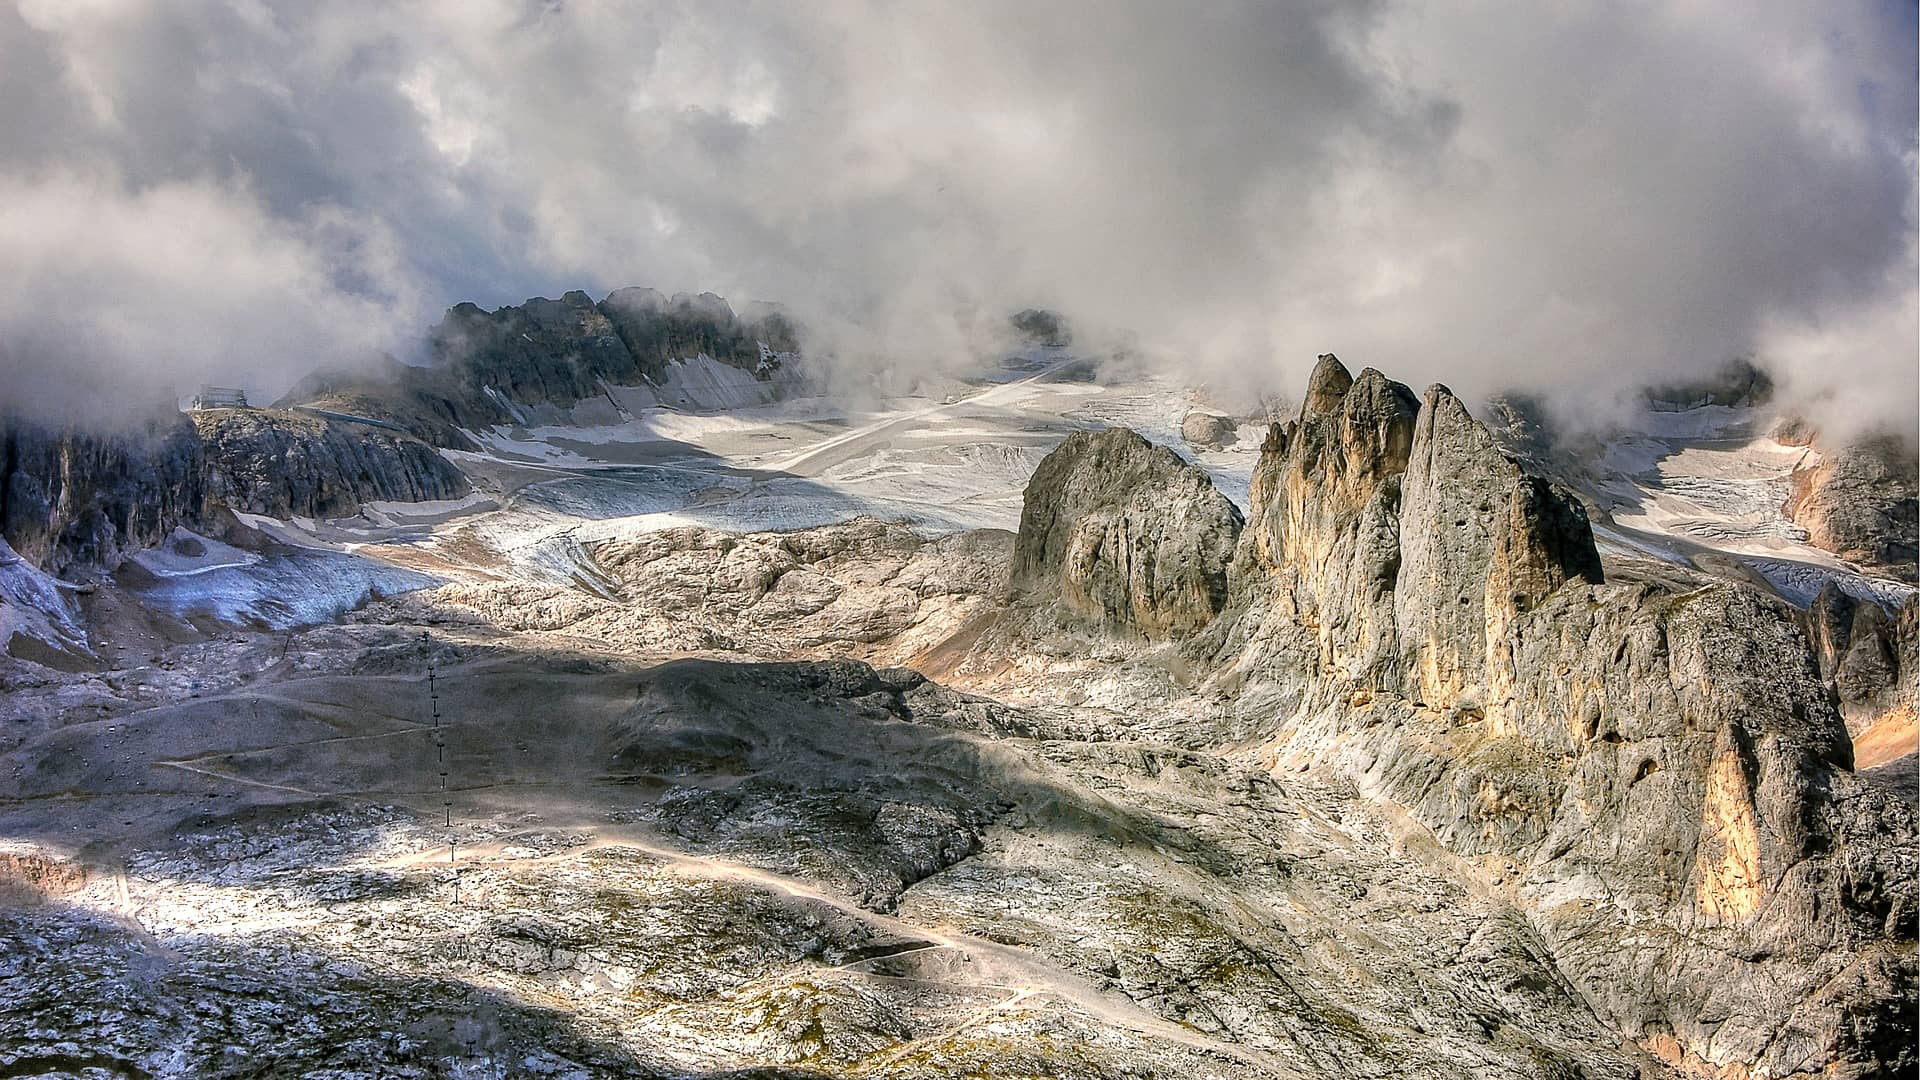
[
  {"x": 390, "y": 514},
  {"x": 35, "y": 604},
  {"x": 280, "y": 591},
  {"x": 185, "y": 553}
]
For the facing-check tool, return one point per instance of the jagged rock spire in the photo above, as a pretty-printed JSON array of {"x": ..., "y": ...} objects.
[{"x": 1326, "y": 387}]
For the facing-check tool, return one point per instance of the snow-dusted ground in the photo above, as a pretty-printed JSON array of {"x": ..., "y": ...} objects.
[
  {"x": 945, "y": 464},
  {"x": 1679, "y": 484}
]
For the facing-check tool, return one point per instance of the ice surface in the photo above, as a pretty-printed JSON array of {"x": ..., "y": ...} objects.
[
  {"x": 1687, "y": 482},
  {"x": 279, "y": 591},
  {"x": 36, "y": 605},
  {"x": 185, "y": 553},
  {"x": 1800, "y": 582},
  {"x": 940, "y": 463},
  {"x": 400, "y": 514}
]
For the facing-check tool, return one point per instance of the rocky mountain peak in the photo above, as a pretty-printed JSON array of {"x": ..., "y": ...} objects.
[{"x": 1326, "y": 386}]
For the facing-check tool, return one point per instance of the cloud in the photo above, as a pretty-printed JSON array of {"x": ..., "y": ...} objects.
[
  {"x": 1565, "y": 198},
  {"x": 106, "y": 294}
]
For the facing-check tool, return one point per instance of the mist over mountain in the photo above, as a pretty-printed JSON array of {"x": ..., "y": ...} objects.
[
  {"x": 1571, "y": 202},
  {"x": 747, "y": 539}
]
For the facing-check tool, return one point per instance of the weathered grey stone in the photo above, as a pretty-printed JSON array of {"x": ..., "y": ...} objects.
[
  {"x": 1207, "y": 431},
  {"x": 1664, "y": 771},
  {"x": 1124, "y": 533},
  {"x": 286, "y": 464},
  {"x": 1648, "y": 760},
  {"x": 1859, "y": 502}
]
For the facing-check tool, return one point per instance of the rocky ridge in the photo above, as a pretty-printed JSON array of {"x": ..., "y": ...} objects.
[
  {"x": 1664, "y": 771},
  {"x": 286, "y": 464},
  {"x": 77, "y": 503},
  {"x": 487, "y": 364}
]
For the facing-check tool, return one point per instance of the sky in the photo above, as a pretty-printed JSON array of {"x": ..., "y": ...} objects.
[{"x": 1570, "y": 199}]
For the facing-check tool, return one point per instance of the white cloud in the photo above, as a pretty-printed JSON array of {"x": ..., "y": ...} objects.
[{"x": 1568, "y": 195}]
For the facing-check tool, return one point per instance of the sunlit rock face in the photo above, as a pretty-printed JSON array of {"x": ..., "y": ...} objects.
[
  {"x": 1323, "y": 544},
  {"x": 1858, "y": 501},
  {"x": 1125, "y": 534},
  {"x": 1666, "y": 770}
]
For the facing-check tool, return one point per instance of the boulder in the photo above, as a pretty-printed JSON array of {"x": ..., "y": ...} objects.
[
  {"x": 1127, "y": 535},
  {"x": 1207, "y": 431}
]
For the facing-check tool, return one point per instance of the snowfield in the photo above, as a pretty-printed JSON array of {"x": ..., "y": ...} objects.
[
  {"x": 1682, "y": 483},
  {"x": 719, "y": 454}
]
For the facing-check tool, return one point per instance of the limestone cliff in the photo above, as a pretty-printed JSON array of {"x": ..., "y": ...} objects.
[
  {"x": 288, "y": 464},
  {"x": 1859, "y": 502},
  {"x": 73, "y": 500},
  {"x": 76, "y": 502},
  {"x": 1658, "y": 779},
  {"x": 1125, "y": 534}
]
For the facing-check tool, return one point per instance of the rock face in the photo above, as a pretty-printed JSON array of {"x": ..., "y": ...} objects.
[
  {"x": 1038, "y": 326},
  {"x": 548, "y": 352},
  {"x": 542, "y": 351},
  {"x": 1663, "y": 772},
  {"x": 1207, "y": 431},
  {"x": 286, "y": 464},
  {"x": 1859, "y": 502},
  {"x": 72, "y": 501},
  {"x": 76, "y": 503},
  {"x": 1860, "y": 651},
  {"x": 1127, "y": 535}
]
